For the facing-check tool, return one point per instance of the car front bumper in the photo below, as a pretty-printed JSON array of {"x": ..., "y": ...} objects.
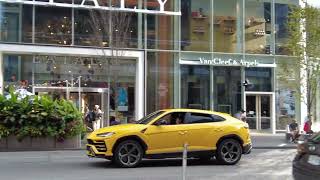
[
  {"x": 301, "y": 170},
  {"x": 247, "y": 148}
]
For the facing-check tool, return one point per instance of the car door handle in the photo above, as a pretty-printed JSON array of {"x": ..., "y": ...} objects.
[
  {"x": 218, "y": 130},
  {"x": 183, "y": 132}
]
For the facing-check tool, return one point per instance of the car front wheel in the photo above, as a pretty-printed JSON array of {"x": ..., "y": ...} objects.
[
  {"x": 128, "y": 154},
  {"x": 229, "y": 152}
]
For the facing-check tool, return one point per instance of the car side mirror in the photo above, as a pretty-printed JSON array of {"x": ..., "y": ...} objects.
[{"x": 161, "y": 122}]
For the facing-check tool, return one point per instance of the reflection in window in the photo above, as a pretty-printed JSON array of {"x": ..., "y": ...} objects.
[
  {"x": 159, "y": 80},
  {"x": 195, "y": 87},
  {"x": 258, "y": 27},
  {"x": 227, "y": 89},
  {"x": 258, "y": 79},
  {"x": 16, "y": 23},
  {"x": 281, "y": 32},
  {"x": 14, "y": 75},
  {"x": 195, "y": 25},
  {"x": 160, "y": 32},
  {"x": 226, "y": 21},
  {"x": 91, "y": 28},
  {"x": 53, "y": 25}
]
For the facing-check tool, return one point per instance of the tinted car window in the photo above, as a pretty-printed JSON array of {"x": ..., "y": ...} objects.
[
  {"x": 149, "y": 117},
  {"x": 192, "y": 118},
  {"x": 217, "y": 118},
  {"x": 198, "y": 118}
]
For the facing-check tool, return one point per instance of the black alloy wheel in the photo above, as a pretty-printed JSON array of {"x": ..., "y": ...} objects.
[
  {"x": 128, "y": 154},
  {"x": 229, "y": 152}
]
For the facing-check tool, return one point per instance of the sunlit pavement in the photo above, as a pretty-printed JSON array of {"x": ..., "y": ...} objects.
[{"x": 75, "y": 165}]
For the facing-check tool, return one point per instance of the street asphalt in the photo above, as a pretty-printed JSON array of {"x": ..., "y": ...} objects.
[{"x": 261, "y": 164}]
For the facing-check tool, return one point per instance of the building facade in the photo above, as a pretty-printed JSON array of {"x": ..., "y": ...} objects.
[{"x": 216, "y": 55}]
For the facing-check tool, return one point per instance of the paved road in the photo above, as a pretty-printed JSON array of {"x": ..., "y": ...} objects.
[{"x": 74, "y": 165}]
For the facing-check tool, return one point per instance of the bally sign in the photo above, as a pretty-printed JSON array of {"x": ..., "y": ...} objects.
[
  {"x": 228, "y": 62},
  {"x": 85, "y": 4}
]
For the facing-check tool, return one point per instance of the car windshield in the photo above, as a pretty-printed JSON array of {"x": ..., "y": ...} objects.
[{"x": 149, "y": 117}]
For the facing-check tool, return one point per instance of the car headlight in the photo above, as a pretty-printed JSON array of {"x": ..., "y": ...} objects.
[{"x": 107, "y": 134}]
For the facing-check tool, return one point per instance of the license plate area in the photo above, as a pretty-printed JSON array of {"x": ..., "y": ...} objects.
[{"x": 314, "y": 160}]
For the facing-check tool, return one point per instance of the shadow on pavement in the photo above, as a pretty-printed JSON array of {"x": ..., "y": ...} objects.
[{"x": 157, "y": 163}]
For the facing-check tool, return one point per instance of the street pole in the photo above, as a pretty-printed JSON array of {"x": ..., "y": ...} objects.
[
  {"x": 184, "y": 161},
  {"x": 79, "y": 89}
]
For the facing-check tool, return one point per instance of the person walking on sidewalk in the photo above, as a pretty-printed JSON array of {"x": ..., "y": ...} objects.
[
  {"x": 97, "y": 117},
  {"x": 307, "y": 125},
  {"x": 294, "y": 130}
]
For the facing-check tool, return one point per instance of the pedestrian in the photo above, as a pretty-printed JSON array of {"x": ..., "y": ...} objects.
[
  {"x": 113, "y": 121},
  {"x": 308, "y": 125},
  {"x": 243, "y": 115},
  {"x": 294, "y": 130},
  {"x": 97, "y": 117}
]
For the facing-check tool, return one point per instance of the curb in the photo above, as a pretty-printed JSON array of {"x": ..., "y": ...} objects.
[{"x": 275, "y": 147}]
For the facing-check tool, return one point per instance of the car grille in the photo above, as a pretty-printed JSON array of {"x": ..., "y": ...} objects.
[{"x": 100, "y": 145}]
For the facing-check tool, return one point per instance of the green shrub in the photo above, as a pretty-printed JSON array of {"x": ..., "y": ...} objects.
[{"x": 39, "y": 116}]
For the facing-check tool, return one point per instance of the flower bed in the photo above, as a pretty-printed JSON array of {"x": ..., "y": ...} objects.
[{"x": 38, "y": 122}]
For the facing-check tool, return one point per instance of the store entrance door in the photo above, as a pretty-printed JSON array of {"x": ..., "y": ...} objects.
[
  {"x": 259, "y": 112},
  {"x": 89, "y": 97}
]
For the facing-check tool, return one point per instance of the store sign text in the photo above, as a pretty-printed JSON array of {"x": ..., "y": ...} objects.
[
  {"x": 98, "y": 5},
  {"x": 228, "y": 62}
]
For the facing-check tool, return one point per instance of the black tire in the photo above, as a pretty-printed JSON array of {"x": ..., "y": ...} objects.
[
  {"x": 229, "y": 152},
  {"x": 128, "y": 154}
]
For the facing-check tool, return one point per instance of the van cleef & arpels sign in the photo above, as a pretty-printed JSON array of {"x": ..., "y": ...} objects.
[
  {"x": 228, "y": 62},
  {"x": 96, "y": 4}
]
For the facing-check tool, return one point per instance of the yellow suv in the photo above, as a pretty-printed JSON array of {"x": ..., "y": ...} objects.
[{"x": 163, "y": 134}]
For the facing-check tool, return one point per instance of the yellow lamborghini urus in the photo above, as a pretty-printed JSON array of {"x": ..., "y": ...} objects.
[{"x": 163, "y": 134}]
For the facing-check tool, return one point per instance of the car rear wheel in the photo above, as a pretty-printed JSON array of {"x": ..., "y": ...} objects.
[
  {"x": 128, "y": 154},
  {"x": 229, "y": 152}
]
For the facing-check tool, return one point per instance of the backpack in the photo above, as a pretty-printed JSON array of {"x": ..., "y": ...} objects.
[{"x": 91, "y": 116}]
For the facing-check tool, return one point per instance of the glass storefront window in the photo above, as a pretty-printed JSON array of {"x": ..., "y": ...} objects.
[
  {"x": 124, "y": 30},
  {"x": 258, "y": 79},
  {"x": 282, "y": 10},
  {"x": 59, "y": 77},
  {"x": 160, "y": 79},
  {"x": 160, "y": 32},
  {"x": 258, "y": 27},
  {"x": 53, "y": 25},
  {"x": 227, "y": 30},
  {"x": 91, "y": 28},
  {"x": 287, "y": 101},
  {"x": 17, "y": 72},
  {"x": 227, "y": 89},
  {"x": 195, "y": 87},
  {"x": 196, "y": 25},
  {"x": 15, "y": 23}
]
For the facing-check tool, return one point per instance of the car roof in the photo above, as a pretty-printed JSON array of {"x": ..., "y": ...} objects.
[{"x": 196, "y": 111}]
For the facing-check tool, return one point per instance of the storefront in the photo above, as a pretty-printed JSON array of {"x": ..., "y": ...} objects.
[
  {"x": 208, "y": 54},
  {"x": 229, "y": 83}
]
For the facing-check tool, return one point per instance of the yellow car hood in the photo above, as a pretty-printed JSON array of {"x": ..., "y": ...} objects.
[{"x": 119, "y": 128}]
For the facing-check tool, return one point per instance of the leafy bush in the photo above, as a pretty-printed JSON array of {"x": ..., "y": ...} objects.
[{"x": 39, "y": 116}]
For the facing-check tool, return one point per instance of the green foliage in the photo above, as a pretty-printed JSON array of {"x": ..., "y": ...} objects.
[
  {"x": 38, "y": 117},
  {"x": 4, "y": 132},
  {"x": 304, "y": 34}
]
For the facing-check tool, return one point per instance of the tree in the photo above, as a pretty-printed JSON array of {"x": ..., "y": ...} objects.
[
  {"x": 112, "y": 30},
  {"x": 303, "y": 42}
]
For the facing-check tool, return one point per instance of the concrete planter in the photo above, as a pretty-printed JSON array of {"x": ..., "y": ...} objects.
[
  {"x": 43, "y": 143},
  {"x": 14, "y": 144},
  {"x": 70, "y": 143},
  {"x": 39, "y": 143},
  {"x": 3, "y": 143}
]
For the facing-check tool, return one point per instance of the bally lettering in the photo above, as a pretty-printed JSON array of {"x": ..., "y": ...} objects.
[{"x": 97, "y": 5}]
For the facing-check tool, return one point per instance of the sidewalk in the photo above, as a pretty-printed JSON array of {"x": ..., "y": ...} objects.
[{"x": 270, "y": 141}]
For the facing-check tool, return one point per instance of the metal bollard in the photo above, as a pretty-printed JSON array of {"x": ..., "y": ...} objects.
[{"x": 184, "y": 161}]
